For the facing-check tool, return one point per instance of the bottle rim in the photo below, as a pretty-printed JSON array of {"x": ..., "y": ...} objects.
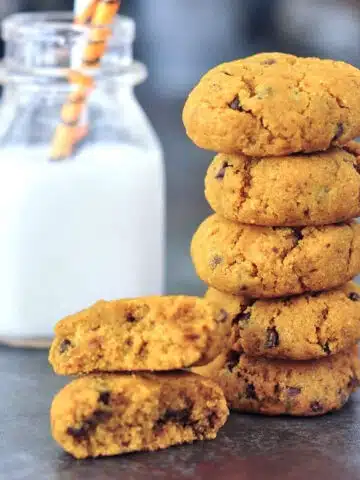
[
  {"x": 53, "y": 24},
  {"x": 48, "y": 44}
]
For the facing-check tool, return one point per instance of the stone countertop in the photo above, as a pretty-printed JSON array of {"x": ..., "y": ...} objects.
[{"x": 248, "y": 447}]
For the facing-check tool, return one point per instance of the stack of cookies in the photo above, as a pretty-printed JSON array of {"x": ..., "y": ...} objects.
[
  {"x": 280, "y": 250},
  {"x": 105, "y": 412}
]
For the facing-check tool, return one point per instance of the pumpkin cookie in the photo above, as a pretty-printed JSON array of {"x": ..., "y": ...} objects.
[
  {"x": 277, "y": 387},
  {"x": 273, "y": 262},
  {"x": 302, "y": 327},
  {"x": 274, "y": 104},
  {"x": 314, "y": 189},
  {"x": 110, "y": 414},
  {"x": 154, "y": 333}
]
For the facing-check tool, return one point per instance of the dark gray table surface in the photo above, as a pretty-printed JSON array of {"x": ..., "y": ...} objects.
[{"x": 248, "y": 447}]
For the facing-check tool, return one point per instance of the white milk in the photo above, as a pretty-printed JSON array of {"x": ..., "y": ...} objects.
[{"x": 76, "y": 231}]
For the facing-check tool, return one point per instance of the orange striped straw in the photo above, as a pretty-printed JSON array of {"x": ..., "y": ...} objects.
[{"x": 99, "y": 14}]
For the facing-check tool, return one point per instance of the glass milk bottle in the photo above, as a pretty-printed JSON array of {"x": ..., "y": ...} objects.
[{"x": 84, "y": 228}]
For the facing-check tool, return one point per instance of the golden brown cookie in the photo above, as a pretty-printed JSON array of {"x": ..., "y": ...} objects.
[
  {"x": 274, "y": 104},
  {"x": 303, "y": 327},
  {"x": 277, "y": 387},
  {"x": 109, "y": 414},
  {"x": 314, "y": 189},
  {"x": 273, "y": 262},
  {"x": 154, "y": 333}
]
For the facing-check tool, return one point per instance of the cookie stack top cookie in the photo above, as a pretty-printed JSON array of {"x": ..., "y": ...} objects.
[{"x": 275, "y": 104}]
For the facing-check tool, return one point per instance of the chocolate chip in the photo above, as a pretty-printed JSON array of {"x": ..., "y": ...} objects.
[
  {"x": 64, "y": 345},
  {"x": 181, "y": 417},
  {"x": 314, "y": 294},
  {"x": 242, "y": 317},
  {"x": 275, "y": 250},
  {"x": 297, "y": 232},
  {"x": 250, "y": 391},
  {"x": 216, "y": 260},
  {"x": 353, "y": 383},
  {"x": 99, "y": 416},
  {"x": 326, "y": 348},
  {"x": 143, "y": 349},
  {"x": 272, "y": 338},
  {"x": 212, "y": 419},
  {"x": 235, "y": 104},
  {"x": 221, "y": 173},
  {"x": 339, "y": 131},
  {"x": 232, "y": 359},
  {"x": 88, "y": 425},
  {"x": 268, "y": 61},
  {"x": 104, "y": 398},
  {"x": 276, "y": 389},
  {"x": 222, "y": 317},
  {"x": 130, "y": 317},
  {"x": 227, "y": 73},
  {"x": 78, "y": 433},
  {"x": 129, "y": 342},
  {"x": 355, "y": 297},
  {"x": 192, "y": 336},
  {"x": 357, "y": 167},
  {"x": 293, "y": 391},
  {"x": 316, "y": 407}
]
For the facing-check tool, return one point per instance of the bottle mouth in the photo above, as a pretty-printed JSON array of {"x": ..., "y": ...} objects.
[
  {"x": 54, "y": 25},
  {"x": 49, "y": 44}
]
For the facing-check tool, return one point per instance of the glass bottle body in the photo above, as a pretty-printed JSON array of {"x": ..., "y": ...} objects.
[{"x": 83, "y": 228}]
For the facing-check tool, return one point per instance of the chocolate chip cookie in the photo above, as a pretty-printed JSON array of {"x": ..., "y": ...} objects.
[
  {"x": 154, "y": 333},
  {"x": 314, "y": 189},
  {"x": 109, "y": 414},
  {"x": 277, "y": 387},
  {"x": 302, "y": 327},
  {"x": 274, "y": 104},
  {"x": 273, "y": 262}
]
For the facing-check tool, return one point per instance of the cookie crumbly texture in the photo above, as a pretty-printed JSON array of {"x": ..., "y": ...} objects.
[
  {"x": 277, "y": 387},
  {"x": 272, "y": 262},
  {"x": 153, "y": 333},
  {"x": 274, "y": 104},
  {"x": 109, "y": 414},
  {"x": 303, "y": 327},
  {"x": 315, "y": 189}
]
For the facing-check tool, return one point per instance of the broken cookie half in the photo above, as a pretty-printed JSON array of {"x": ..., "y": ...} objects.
[
  {"x": 110, "y": 414},
  {"x": 150, "y": 333},
  {"x": 153, "y": 333}
]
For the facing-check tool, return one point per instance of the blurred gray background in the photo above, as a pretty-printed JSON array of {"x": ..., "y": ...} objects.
[{"x": 179, "y": 41}]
